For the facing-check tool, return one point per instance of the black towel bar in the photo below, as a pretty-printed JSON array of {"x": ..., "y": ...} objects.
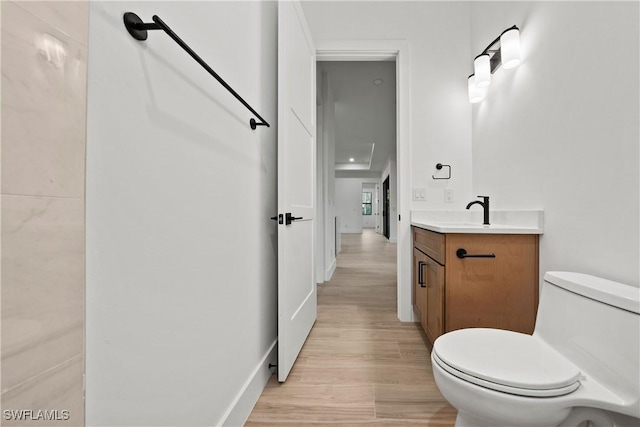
[{"x": 138, "y": 31}]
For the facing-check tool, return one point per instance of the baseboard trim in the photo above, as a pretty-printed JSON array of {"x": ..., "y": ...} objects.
[
  {"x": 245, "y": 400},
  {"x": 328, "y": 274}
]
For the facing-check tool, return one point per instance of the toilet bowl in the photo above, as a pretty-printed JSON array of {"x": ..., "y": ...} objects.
[{"x": 580, "y": 367}]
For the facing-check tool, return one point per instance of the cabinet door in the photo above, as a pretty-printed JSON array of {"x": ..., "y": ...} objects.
[
  {"x": 433, "y": 318},
  {"x": 419, "y": 286},
  {"x": 500, "y": 292}
]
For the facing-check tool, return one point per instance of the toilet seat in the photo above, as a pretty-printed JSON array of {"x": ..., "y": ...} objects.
[{"x": 506, "y": 361}]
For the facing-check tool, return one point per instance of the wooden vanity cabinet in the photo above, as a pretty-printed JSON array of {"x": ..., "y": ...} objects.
[
  {"x": 419, "y": 286},
  {"x": 428, "y": 293},
  {"x": 454, "y": 293},
  {"x": 433, "y": 323}
]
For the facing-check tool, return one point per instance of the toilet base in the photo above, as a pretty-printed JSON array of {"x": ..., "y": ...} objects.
[
  {"x": 467, "y": 420},
  {"x": 579, "y": 417}
]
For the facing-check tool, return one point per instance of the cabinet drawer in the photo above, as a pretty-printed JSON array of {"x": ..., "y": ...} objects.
[{"x": 430, "y": 243}]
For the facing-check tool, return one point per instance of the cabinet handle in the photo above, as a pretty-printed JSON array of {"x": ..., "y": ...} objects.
[
  {"x": 421, "y": 274},
  {"x": 462, "y": 253}
]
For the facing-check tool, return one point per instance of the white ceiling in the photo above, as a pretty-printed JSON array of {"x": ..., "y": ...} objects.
[{"x": 365, "y": 113}]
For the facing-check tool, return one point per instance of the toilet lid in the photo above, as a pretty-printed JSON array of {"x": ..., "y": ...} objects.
[{"x": 506, "y": 361}]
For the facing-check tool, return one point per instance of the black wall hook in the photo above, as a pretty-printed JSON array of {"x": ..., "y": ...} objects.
[
  {"x": 439, "y": 166},
  {"x": 138, "y": 30}
]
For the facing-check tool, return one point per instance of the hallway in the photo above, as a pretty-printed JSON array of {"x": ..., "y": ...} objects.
[{"x": 360, "y": 364}]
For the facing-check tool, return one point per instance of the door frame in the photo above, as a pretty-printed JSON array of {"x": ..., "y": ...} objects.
[
  {"x": 382, "y": 50},
  {"x": 378, "y": 216},
  {"x": 386, "y": 223},
  {"x": 370, "y": 187}
]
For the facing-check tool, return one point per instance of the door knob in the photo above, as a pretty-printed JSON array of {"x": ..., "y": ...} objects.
[{"x": 290, "y": 218}]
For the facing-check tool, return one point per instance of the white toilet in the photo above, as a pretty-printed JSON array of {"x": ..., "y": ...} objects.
[{"x": 581, "y": 366}]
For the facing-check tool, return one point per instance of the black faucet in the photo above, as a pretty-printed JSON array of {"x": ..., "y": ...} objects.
[{"x": 485, "y": 206}]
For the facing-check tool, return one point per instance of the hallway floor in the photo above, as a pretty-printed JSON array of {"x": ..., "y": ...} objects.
[{"x": 360, "y": 365}]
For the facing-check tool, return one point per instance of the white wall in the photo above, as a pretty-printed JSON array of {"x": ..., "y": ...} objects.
[
  {"x": 348, "y": 196},
  {"x": 326, "y": 163},
  {"x": 348, "y": 204},
  {"x": 561, "y": 131},
  {"x": 181, "y": 253},
  {"x": 438, "y": 36},
  {"x": 320, "y": 172}
]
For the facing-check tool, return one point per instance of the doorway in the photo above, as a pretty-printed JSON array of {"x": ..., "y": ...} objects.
[
  {"x": 399, "y": 185},
  {"x": 367, "y": 206},
  {"x": 356, "y": 149},
  {"x": 385, "y": 208},
  {"x": 370, "y": 206}
]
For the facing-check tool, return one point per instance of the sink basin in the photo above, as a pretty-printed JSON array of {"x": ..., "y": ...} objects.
[
  {"x": 473, "y": 225},
  {"x": 505, "y": 222},
  {"x": 468, "y": 227}
]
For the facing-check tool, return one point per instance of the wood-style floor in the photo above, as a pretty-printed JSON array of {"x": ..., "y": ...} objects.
[{"x": 360, "y": 365}]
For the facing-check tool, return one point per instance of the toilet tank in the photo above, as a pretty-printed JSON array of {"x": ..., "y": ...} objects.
[{"x": 595, "y": 323}]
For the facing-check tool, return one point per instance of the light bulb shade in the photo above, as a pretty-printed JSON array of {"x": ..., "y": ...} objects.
[
  {"x": 510, "y": 48},
  {"x": 476, "y": 94},
  {"x": 482, "y": 70}
]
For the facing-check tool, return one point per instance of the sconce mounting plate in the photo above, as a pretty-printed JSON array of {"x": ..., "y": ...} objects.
[{"x": 495, "y": 61}]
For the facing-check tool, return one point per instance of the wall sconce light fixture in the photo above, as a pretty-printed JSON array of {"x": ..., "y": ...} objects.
[
  {"x": 476, "y": 93},
  {"x": 505, "y": 51}
]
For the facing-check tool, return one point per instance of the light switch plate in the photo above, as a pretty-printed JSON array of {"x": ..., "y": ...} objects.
[{"x": 419, "y": 194}]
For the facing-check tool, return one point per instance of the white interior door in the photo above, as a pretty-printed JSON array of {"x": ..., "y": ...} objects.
[{"x": 297, "y": 298}]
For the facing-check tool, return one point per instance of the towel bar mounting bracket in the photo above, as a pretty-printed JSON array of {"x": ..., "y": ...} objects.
[{"x": 135, "y": 26}]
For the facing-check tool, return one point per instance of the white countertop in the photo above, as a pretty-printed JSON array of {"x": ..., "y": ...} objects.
[{"x": 502, "y": 222}]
